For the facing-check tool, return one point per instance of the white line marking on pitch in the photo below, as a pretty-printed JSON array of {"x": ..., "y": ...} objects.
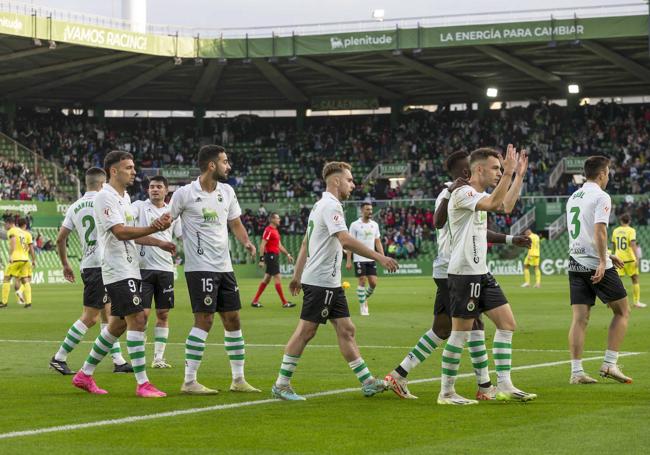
[
  {"x": 321, "y": 346},
  {"x": 219, "y": 407}
]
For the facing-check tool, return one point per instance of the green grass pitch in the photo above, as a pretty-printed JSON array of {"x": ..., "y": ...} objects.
[{"x": 607, "y": 416}]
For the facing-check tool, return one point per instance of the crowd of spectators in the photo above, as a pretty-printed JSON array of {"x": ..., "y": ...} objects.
[
  {"x": 420, "y": 139},
  {"x": 18, "y": 182}
]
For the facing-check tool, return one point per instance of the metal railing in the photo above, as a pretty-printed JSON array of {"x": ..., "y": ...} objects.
[
  {"x": 557, "y": 227},
  {"x": 556, "y": 173},
  {"x": 462, "y": 18},
  {"x": 60, "y": 176},
  {"x": 522, "y": 223}
]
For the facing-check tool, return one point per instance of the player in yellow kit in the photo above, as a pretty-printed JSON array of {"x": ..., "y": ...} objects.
[
  {"x": 19, "y": 266},
  {"x": 532, "y": 260},
  {"x": 625, "y": 248}
]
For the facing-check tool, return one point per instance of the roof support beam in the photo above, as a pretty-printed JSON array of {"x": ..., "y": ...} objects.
[
  {"x": 350, "y": 80},
  {"x": 619, "y": 60},
  {"x": 80, "y": 76},
  {"x": 60, "y": 66},
  {"x": 31, "y": 52},
  {"x": 139, "y": 81},
  {"x": 523, "y": 66},
  {"x": 437, "y": 74},
  {"x": 280, "y": 81},
  {"x": 207, "y": 85}
]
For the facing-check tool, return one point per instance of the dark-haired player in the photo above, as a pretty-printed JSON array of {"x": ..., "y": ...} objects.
[
  {"x": 592, "y": 273},
  {"x": 117, "y": 236},
  {"x": 157, "y": 266},
  {"x": 80, "y": 217},
  {"x": 270, "y": 249},
  {"x": 208, "y": 208},
  {"x": 366, "y": 230}
]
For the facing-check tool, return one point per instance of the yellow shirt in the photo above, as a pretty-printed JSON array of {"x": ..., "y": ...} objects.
[
  {"x": 622, "y": 238},
  {"x": 534, "y": 247},
  {"x": 23, "y": 240}
]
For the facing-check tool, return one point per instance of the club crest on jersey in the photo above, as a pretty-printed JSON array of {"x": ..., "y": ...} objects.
[
  {"x": 325, "y": 312},
  {"x": 136, "y": 300},
  {"x": 210, "y": 216},
  {"x": 219, "y": 197},
  {"x": 471, "y": 306},
  {"x": 105, "y": 299},
  {"x": 207, "y": 300}
]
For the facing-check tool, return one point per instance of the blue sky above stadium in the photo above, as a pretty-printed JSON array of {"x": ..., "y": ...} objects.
[{"x": 247, "y": 13}]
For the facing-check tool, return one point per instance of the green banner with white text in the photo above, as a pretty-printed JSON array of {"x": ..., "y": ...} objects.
[{"x": 285, "y": 46}]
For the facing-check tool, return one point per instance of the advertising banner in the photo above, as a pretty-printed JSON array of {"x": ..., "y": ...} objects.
[{"x": 286, "y": 46}]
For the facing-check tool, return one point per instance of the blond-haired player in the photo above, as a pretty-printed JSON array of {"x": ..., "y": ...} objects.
[
  {"x": 625, "y": 248},
  {"x": 532, "y": 260}
]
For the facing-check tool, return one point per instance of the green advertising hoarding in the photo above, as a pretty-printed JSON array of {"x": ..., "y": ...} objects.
[
  {"x": 44, "y": 214},
  {"x": 286, "y": 46}
]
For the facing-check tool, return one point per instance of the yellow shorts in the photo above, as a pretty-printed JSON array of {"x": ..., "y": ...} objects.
[
  {"x": 19, "y": 269},
  {"x": 532, "y": 261},
  {"x": 629, "y": 269}
]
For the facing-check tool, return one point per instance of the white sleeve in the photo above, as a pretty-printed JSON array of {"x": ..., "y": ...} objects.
[
  {"x": 377, "y": 233},
  {"x": 603, "y": 209},
  {"x": 466, "y": 198},
  {"x": 107, "y": 212},
  {"x": 234, "y": 210},
  {"x": 177, "y": 228},
  {"x": 176, "y": 204},
  {"x": 139, "y": 216},
  {"x": 334, "y": 219},
  {"x": 68, "y": 222}
]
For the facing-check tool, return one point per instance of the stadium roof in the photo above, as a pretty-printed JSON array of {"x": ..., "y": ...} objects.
[{"x": 90, "y": 66}]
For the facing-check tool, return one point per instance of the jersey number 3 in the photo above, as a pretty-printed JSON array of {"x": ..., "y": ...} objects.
[{"x": 575, "y": 222}]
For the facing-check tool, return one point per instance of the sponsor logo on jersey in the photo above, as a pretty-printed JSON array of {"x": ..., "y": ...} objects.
[{"x": 209, "y": 216}]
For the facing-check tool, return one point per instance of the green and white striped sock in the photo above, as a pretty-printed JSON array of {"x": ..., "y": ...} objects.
[
  {"x": 75, "y": 334},
  {"x": 451, "y": 360},
  {"x": 116, "y": 350},
  {"x": 100, "y": 349},
  {"x": 502, "y": 353},
  {"x": 361, "y": 294},
  {"x": 478, "y": 352},
  {"x": 361, "y": 370},
  {"x": 421, "y": 351},
  {"x": 135, "y": 347},
  {"x": 194, "y": 348},
  {"x": 369, "y": 291},
  {"x": 289, "y": 365},
  {"x": 161, "y": 334},
  {"x": 234, "y": 344}
]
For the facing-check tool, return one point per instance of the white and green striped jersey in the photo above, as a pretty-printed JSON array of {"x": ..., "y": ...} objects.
[{"x": 80, "y": 217}]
